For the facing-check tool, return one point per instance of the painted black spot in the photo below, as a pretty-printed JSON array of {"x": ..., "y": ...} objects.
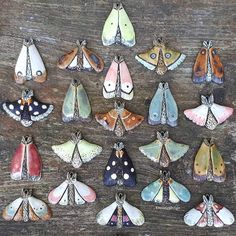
[
  {"x": 196, "y": 164},
  {"x": 127, "y": 86}
]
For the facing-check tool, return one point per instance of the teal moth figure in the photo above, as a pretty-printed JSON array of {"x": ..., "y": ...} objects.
[
  {"x": 164, "y": 150},
  {"x": 163, "y": 108},
  {"x": 165, "y": 190}
]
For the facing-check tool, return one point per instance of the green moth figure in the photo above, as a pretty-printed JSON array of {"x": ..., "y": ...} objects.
[
  {"x": 118, "y": 29},
  {"x": 76, "y": 105},
  {"x": 77, "y": 150},
  {"x": 163, "y": 149}
]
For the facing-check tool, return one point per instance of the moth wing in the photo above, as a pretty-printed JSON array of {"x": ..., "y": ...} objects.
[
  {"x": 68, "y": 60},
  {"x": 68, "y": 107},
  {"x": 149, "y": 58},
  {"x": 65, "y": 151},
  {"x": 126, "y": 82},
  {"x": 194, "y": 216},
  {"x": 59, "y": 194},
  {"x": 134, "y": 214},
  {"x": 37, "y": 66},
  {"x": 110, "y": 28},
  {"x": 155, "y": 108},
  {"x": 88, "y": 150},
  {"x": 175, "y": 150},
  {"x": 83, "y": 193},
  {"x": 217, "y": 222},
  {"x": 34, "y": 162},
  {"x": 83, "y": 103},
  {"x": 109, "y": 85},
  {"x": 223, "y": 214},
  {"x": 40, "y": 208},
  {"x": 130, "y": 120},
  {"x": 172, "y": 58},
  {"x": 171, "y": 108},
  {"x": 201, "y": 163},
  {"x": 197, "y": 115},
  {"x": 20, "y": 68},
  {"x": 200, "y": 67},
  {"x": 221, "y": 113},
  {"x": 107, "y": 120},
  {"x": 105, "y": 215},
  {"x": 218, "y": 165},
  {"x": 216, "y": 66},
  {"x": 172, "y": 196},
  {"x": 13, "y": 109},
  {"x": 153, "y": 192},
  {"x": 126, "y": 29},
  {"x": 14, "y": 210},
  {"x": 180, "y": 191},
  {"x": 152, "y": 150},
  {"x": 93, "y": 59}
]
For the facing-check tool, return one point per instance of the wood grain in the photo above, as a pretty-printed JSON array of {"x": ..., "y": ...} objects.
[{"x": 56, "y": 25}]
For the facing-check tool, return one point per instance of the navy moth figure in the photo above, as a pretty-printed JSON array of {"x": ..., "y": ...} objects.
[
  {"x": 163, "y": 108},
  {"x": 119, "y": 169},
  {"x": 27, "y": 109},
  {"x": 120, "y": 214}
]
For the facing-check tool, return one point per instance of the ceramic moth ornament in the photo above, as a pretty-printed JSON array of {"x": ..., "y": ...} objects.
[
  {"x": 29, "y": 65},
  {"x": 208, "y": 163},
  {"x": 208, "y": 66},
  {"x": 164, "y": 150},
  {"x": 118, "y": 82},
  {"x": 165, "y": 190},
  {"x": 81, "y": 58},
  {"x": 160, "y": 58},
  {"x": 208, "y": 114},
  {"x": 163, "y": 108},
  {"x": 120, "y": 214},
  {"x": 209, "y": 213},
  {"x": 71, "y": 192},
  {"x": 76, "y": 105},
  {"x": 119, "y": 119},
  {"x": 118, "y": 29},
  {"x": 119, "y": 169},
  {"x": 27, "y": 109},
  {"x": 27, "y": 208},
  {"x": 77, "y": 150},
  {"x": 26, "y": 162}
]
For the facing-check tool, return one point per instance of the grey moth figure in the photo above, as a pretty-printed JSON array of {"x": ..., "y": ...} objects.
[
  {"x": 209, "y": 213},
  {"x": 29, "y": 65},
  {"x": 77, "y": 150},
  {"x": 76, "y": 105},
  {"x": 27, "y": 208},
  {"x": 120, "y": 214},
  {"x": 71, "y": 192},
  {"x": 118, "y": 29},
  {"x": 163, "y": 108},
  {"x": 27, "y": 109}
]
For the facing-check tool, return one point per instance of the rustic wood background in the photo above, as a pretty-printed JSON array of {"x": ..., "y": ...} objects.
[{"x": 55, "y": 26}]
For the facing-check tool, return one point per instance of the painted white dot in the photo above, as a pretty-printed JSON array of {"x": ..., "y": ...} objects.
[
  {"x": 22, "y": 107},
  {"x": 36, "y": 113},
  {"x": 132, "y": 169},
  {"x": 113, "y": 176},
  {"x": 108, "y": 167},
  {"x": 126, "y": 163},
  {"x": 44, "y": 106},
  {"x": 17, "y": 112},
  {"x": 113, "y": 163},
  {"x": 36, "y": 103},
  {"x": 30, "y": 108},
  {"x": 126, "y": 176},
  {"x": 19, "y": 101},
  {"x": 11, "y": 107}
]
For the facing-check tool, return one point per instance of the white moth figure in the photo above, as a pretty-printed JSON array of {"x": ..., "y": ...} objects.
[
  {"x": 29, "y": 65},
  {"x": 209, "y": 213}
]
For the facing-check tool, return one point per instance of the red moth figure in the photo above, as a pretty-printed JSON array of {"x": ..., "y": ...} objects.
[{"x": 26, "y": 162}]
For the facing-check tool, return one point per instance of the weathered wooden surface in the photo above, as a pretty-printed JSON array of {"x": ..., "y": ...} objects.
[{"x": 56, "y": 25}]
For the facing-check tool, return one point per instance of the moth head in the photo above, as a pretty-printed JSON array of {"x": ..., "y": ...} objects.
[
  {"x": 208, "y": 101},
  {"x": 118, "y": 59},
  {"x": 208, "y": 141},
  {"x": 119, "y": 106},
  {"x": 163, "y": 85},
  {"x": 27, "y": 94},
  {"x": 158, "y": 42},
  {"x": 26, "y": 192},
  {"x": 162, "y": 135},
  {"x": 71, "y": 176},
  {"x": 119, "y": 146},
  {"x": 165, "y": 175},
  {"x": 76, "y": 137},
  {"x": 28, "y": 42},
  {"x": 117, "y": 6},
  {"x": 120, "y": 198},
  {"x": 75, "y": 82},
  {"x": 207, "y": 44},
  {"x": 81, "y": 43},
  {"x": 26, "y": 139},
  {"x": 208, "y": 199}
]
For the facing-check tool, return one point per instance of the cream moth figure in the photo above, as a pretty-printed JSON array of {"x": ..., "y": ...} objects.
[
  {"x": 29, "y": 65},
  {"x": 118, "y": 29}
]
